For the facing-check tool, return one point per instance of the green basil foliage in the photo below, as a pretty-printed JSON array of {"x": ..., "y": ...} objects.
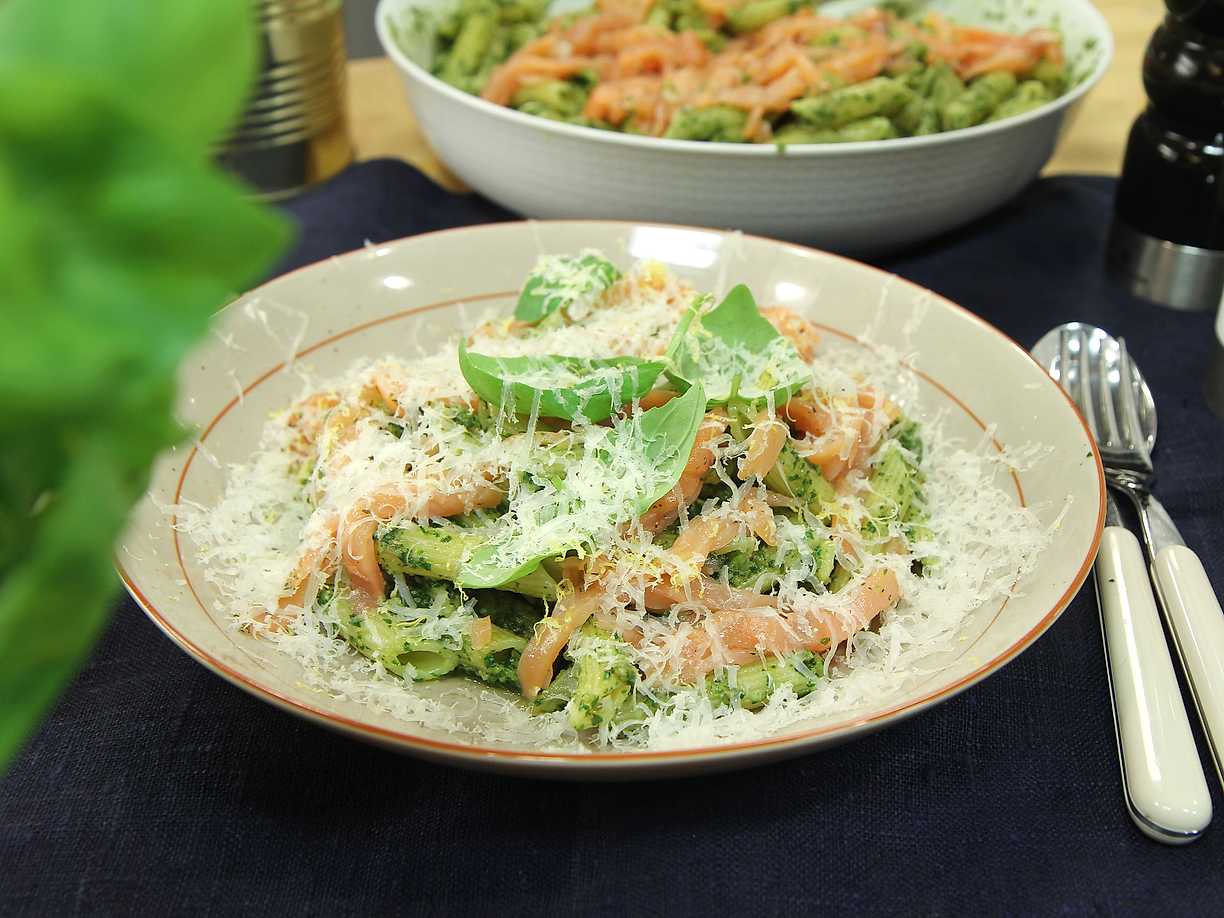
[
  {"x": 659, "y": 440},
  {"x": 559, "y": 387},
  {"x": 563, "y": 282},
  {"x": 735, "y": 352},
  {"x": 118, "y": 240}
]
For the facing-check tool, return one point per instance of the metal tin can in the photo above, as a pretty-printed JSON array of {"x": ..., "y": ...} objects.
[{"x": 294, "y": 131}]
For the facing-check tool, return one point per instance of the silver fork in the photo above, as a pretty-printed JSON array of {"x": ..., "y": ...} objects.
[
  {"x": 1165, "y": 789},
  {"x": 1123, "y": 419}
]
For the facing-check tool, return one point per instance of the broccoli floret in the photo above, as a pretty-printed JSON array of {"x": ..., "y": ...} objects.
[
  {"x": 753, "y": 684},
  {"x": 605, "y": 677}
]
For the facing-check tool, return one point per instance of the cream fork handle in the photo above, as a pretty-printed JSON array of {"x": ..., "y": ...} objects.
[
  {"x": 1165, "y": 787},
  {"x": 1198, "y": 626}
]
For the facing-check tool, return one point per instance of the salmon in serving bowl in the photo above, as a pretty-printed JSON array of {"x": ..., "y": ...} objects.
[{"x": 864, "y": 196}]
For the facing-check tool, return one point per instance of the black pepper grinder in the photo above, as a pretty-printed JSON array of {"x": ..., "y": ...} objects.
[{"x": 1167, "y": 241}]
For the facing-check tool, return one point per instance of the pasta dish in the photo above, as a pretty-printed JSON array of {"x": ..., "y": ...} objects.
[{"x": 642, "y": 511}]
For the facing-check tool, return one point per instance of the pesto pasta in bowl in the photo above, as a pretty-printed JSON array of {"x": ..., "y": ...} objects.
[
  {"x": 848, "y": 125},
  {"x": 757, "y": 71},
  {"x": 621, "y": 499}
]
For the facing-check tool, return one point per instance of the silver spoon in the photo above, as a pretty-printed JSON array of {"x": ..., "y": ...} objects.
[
  {"x": 1191, "y": 608},
  {"x": 1166, "y": 791}
]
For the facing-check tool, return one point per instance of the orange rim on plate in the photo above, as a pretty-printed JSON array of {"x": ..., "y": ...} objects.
[{"x": 468, "y": 750}]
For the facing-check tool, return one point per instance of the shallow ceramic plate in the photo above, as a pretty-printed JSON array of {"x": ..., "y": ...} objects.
[{"x": 413, "y": 294}]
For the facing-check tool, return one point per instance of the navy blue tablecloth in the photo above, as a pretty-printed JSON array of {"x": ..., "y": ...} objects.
[{"x": 156, "y": 788}]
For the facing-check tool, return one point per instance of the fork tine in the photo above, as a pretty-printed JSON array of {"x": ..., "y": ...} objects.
[
  {"x": 1064, "y": 358},
  {"x": 1132, "y": 429},
  {"x": 1083, "y": 393},
  {"x": 1105, "y": 388}
]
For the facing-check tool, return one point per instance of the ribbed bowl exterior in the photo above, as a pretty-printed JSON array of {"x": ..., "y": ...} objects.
[{"x": 849, "y": 202}]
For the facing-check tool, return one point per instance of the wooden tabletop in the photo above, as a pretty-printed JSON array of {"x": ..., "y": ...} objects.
[{"x": 383, "y": 125}]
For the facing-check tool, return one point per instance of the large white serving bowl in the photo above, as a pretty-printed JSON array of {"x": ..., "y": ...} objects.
[
  {"x": 854, "y": 197},
  {"x": 422, "y": 291}
]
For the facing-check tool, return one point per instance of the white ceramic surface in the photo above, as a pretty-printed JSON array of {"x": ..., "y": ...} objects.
[
  {"x": 399, "y": 296},
  {"x": 853, "y": 197},
  {"x": 1165, "y": 786},
  {"x": 1193, "y": 612}
]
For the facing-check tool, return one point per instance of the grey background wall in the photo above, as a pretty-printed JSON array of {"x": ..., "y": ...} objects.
[{"x": 359, "y": 28}]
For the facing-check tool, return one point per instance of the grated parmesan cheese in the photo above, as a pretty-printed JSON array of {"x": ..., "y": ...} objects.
[{"x": 388, "y": 422}]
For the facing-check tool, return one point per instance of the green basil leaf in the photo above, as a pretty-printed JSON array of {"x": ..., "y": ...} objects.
[
  {"x": 564, "y": 282},
  {"x": 559, "y": 387},
  {"x": 734, "y": 352},
  {"x": 106, "y": 191},
  {"x": 620, "y": 474},
  {"x": 183, "y": 69},
  {"x": 487, "y": 570}
]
